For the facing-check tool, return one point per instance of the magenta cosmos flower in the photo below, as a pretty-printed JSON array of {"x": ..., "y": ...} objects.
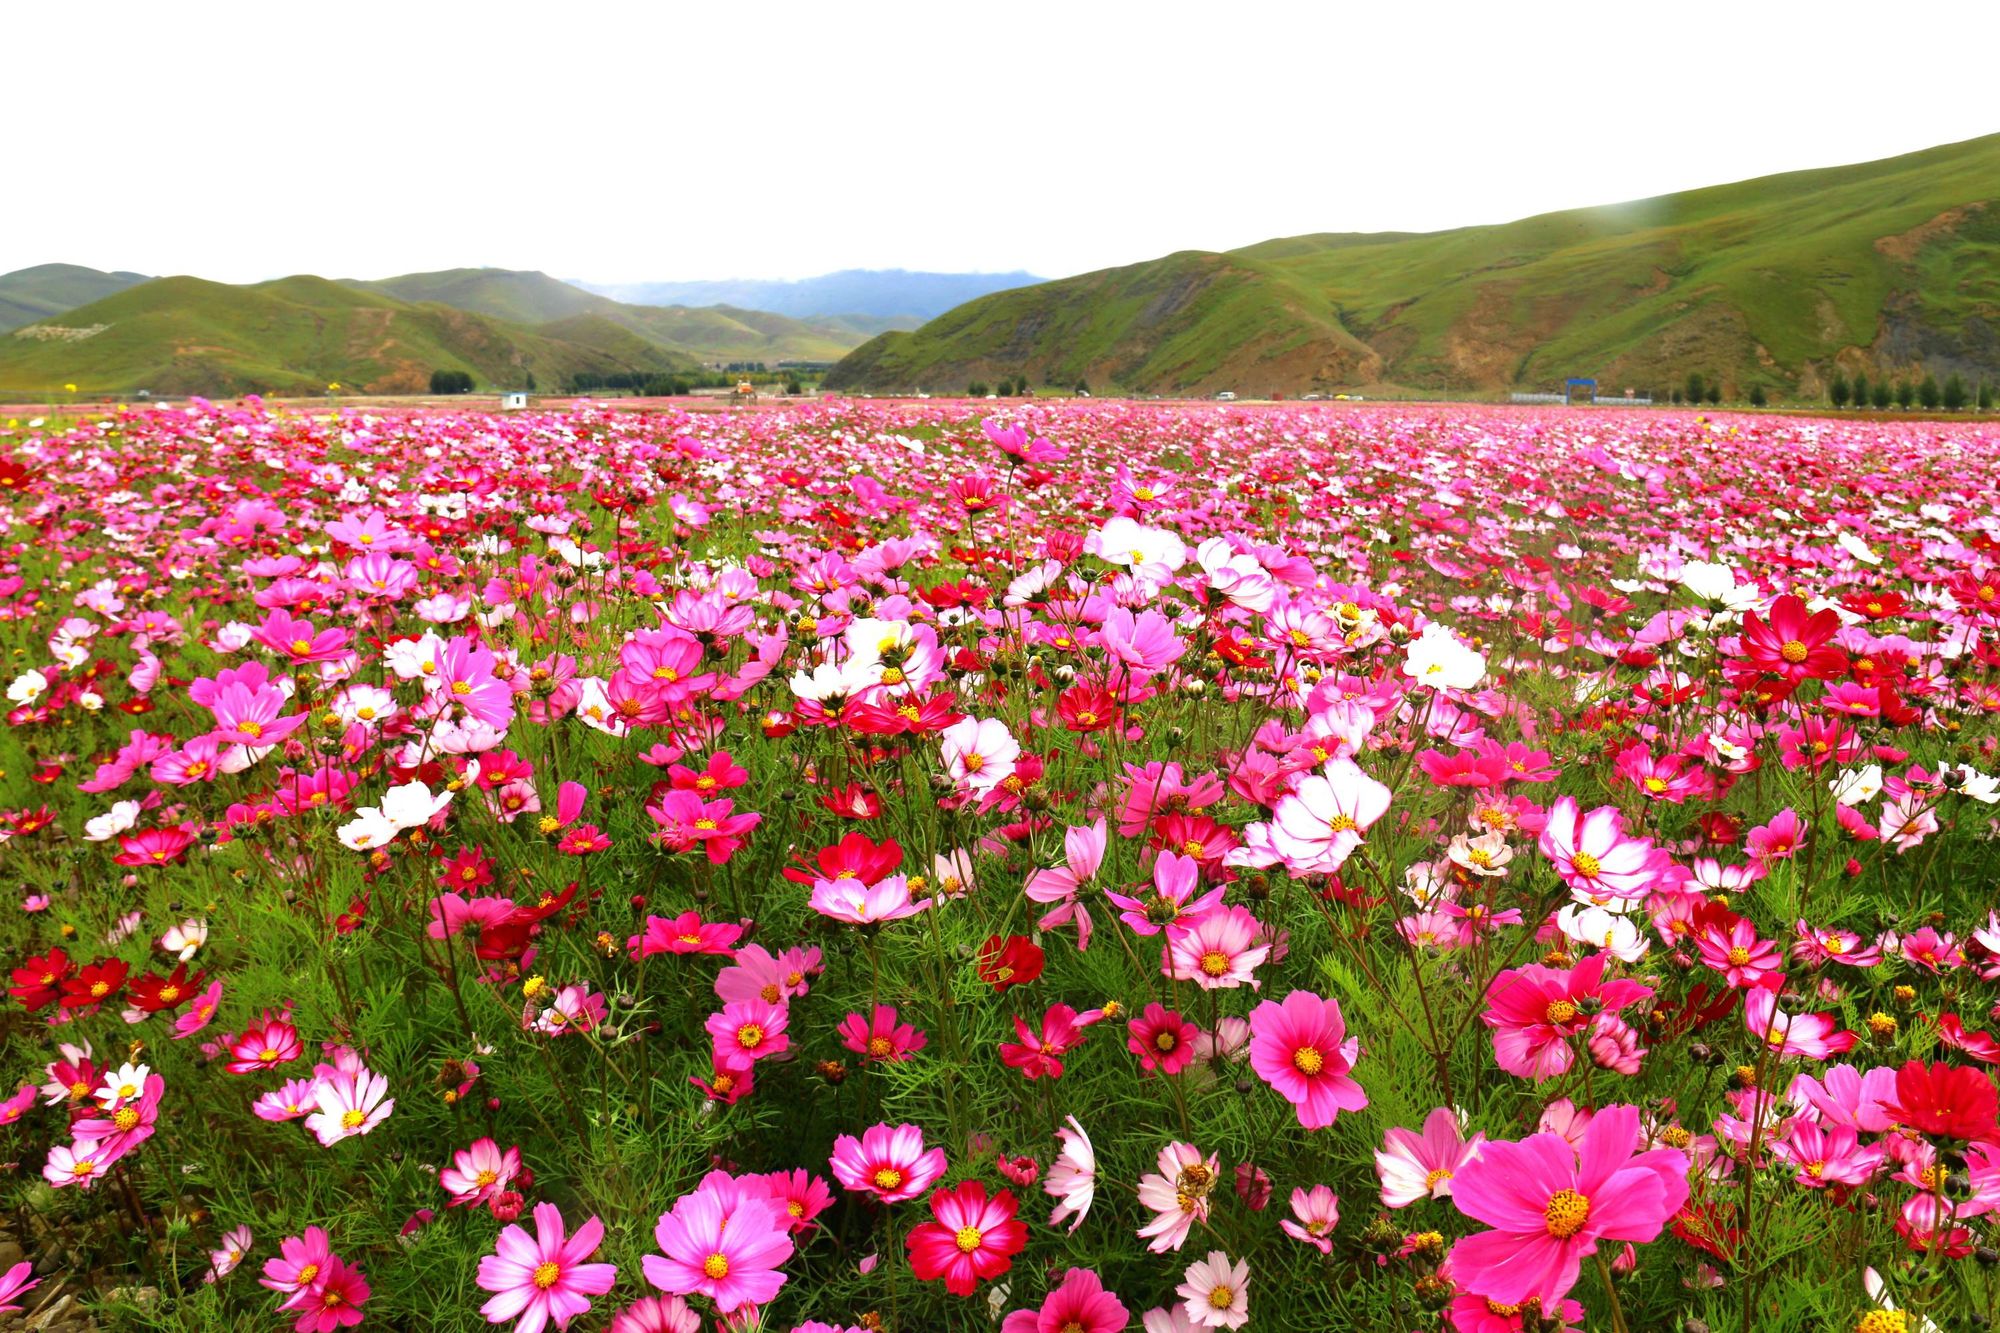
[
  {"x": 1535, "y": 1010},
  {"x": 543, "y": 1279},
  {"x": 1079, "y": 1304},
  {"x": 890, "y": 1163},
  {"x": 727, "y": 1249},
  {"x": 1549, "y": 1204},
  {"x": 1302, "y": 1049}
]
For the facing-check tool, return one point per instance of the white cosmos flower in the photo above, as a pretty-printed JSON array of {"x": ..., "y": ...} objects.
[
  {"x": 1437, "y": 658},
  {"x": 368, "y": 829},
  {"x": 412, "y": 805},
  {"x": 104, "y": 827},
  {"x": 1857, "y": 785},
  {"x": 27, "y": 687},
  {"x": 1616, "y": 935}
]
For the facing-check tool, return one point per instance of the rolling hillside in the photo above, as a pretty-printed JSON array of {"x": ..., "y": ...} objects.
[
  {"x": 704, "y": 333},
  {"x": 31, "y": 294},
  {"x": 1889, "y": 267},
  {"x": 296, "y": 335}
]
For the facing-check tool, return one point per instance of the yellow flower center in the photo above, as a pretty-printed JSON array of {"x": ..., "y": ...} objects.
[
  {"x": 1308, "y": 1061},
  {"x": 880, "y": 1047},
  {"x": 1566, "y": 1213},
  {"x": 716, "y": 1266},
  {"x": 1215, "y": 963},
  {"x": 547, "y": 1274},
  {"x": 1794, "y": 652},
  {"x": 486, "y": 1177},
  {"x": 1434, "y": 1178},
  {"x": 1586, "y": 865},
  {"x": 1560, "y": 1011},
  {"x": 888, "y": 1178},
  {"x": 1884, "y": 1321},
  {"x": 307, "y": 1274},
  {"x": 1738, "y": 956},
  {"x": 125, "y": 1117},
  {"x": 1341, "y": 824},
  {"x": 967, "y": 1239},
  {"x": 1656, "y": 785},
  {"x": 749, "y": 1036},
  {"x": 352, "y": 1119},
  {"x": 1221, "y": 1297}
]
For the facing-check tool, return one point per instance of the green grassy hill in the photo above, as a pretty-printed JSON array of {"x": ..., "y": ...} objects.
[
  {"x": 31, "y": 294},
  {"x": 296, "y": 335},
  {"x": 1889, "y": 267},
  {"x": 704, "y": 333}
]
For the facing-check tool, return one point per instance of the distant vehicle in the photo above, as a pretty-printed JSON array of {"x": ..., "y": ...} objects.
[
  {"x": 1225, "y": 397},
  {"x": 992, "y": 397},
  {"x": 1083, "y": 393},
  {"x": 1312, "y": 397}
]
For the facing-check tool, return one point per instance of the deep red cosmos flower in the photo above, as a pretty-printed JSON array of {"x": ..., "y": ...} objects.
[
  {"x": 1014, "y": 961},
  {"x": 1944, "y": 1100},
  {"x": 39, "y": 979},
  {"x": 151, "y": 993},
  {"x": 95, "y": 983},
  {"x": 1792, "y": 644}
]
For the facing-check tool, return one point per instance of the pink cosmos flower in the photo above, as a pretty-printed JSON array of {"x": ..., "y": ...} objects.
[
  {"x": 295, "y": 1099},
  {"x": 1162, "y": 1039},
  {"x": 1730, "y": 946},
  {"x": 1815, "y": 1036},
  {"x": 1173, "y": 902},
  {"x": 1072, "y": 1178},
  {"x": 199, "y": 1013},
  {"x": 686, "y": 933},
  {"x": 351, "y": 1103},
  {"x": 728, "y": 1250},
  {"x": 880, "y": 1037},
  {"x": 979, "y": 754},
  {"x": 479, "y": 1172},
  {"x": 1593, "y": 854},
  {"x": 16, "y": 1280},
  {"x": 1779, "y": 840},
  {"x": 1535, "y": 1010},
  {"x": 656, "y": 1314},
  {"x": 224, "y": 1261},
  {"x": 1079, "y": 1304},
  {"x": 973, "y": 1239},
  {"x": 1083, "y": 849},
  {"x": 297, "y": 1265},
  {"x": 1317, "y": 827},
  {"x": 1039, "y": 1053},
  {"x": 1177, "y": 1193},
  {"x": 861, "y": 904},
  {"x": 1318, "y": 1212},
  {"x": 543, "y": 1279},
  {"x": 1216, "y": 1292},
  {"x": 333, "y": 1300},
  {"x": 1218, "y": 951},
  {"x": 748, "y": 1031},
  {"x": 889, "y": 1162},
  {"x": 1549, "y": 1205},
  {"x": 1421, "y": 1166},
  {"x": 1301, "y": 1048},
  {"x": 265, "y": 1044}
]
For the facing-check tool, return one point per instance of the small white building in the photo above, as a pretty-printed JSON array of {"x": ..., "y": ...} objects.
[{"x": 513, "y": 400}]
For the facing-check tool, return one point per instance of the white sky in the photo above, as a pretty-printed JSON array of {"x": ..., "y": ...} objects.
[{"x": 609, "y": 141}]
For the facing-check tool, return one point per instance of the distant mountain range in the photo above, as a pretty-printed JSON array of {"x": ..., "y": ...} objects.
[
  {"x": 1884, "y": 268},
  {"x": 887, "y": 297},
  {"x": 111, "y": 332},
  {"x": 31, "y": 294}
]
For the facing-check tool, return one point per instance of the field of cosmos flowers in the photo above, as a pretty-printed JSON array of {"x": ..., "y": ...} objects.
[{"x": 1070, "y": 869}]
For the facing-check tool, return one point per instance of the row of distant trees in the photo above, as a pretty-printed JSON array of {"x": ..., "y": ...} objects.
[
  {"x": 451, "y": 381},
  {"x": 1952, "y": 395},
  {"x": 1015, "y": 386}
]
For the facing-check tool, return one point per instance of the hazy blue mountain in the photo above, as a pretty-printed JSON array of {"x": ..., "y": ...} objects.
[
  {"x": 31, "y": 294},
  {"x": 878, "y": 293}
]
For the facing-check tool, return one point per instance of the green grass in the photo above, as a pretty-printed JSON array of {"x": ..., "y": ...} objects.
[
  {"x": 31, "y": 294},
  {"x": 1762, "y": 282}
]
